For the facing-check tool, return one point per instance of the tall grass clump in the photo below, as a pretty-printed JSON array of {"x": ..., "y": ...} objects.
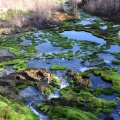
[{"x": 34, "y": 12}]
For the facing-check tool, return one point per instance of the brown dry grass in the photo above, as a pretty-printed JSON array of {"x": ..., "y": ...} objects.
[
  {"x": 103, "y": 7},
  {"x": 39, "y": 11}
]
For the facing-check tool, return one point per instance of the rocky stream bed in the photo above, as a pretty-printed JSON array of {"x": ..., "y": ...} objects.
[{"x": 71, "y": 72}]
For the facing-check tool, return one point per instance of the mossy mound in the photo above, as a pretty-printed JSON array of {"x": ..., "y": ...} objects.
[
  {"x": 58, "y": 67},
  {"x": 109, "y": 75},
  {"x": 79, "y": 78},
  {"x": 75, "y": 104},
  {"x": 11, "y": 110},
  {"x": 83, "y": 95},
  {"x": 66, "y": 113}
]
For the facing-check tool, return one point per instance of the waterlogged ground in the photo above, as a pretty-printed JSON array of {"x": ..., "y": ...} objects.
[{"x": 80, "y": 45}]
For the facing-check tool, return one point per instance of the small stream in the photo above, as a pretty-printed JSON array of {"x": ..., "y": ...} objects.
[{"x": 33, "y": 97}]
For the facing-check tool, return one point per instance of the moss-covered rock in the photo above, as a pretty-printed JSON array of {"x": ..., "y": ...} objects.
[
  {"x": 58, "y": 67},
  {"x": 66, "y": 113},
  {"x": 109, "y": 75}
]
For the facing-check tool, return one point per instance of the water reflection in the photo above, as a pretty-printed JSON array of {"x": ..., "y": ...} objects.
[{"x": 82, "y": 35}]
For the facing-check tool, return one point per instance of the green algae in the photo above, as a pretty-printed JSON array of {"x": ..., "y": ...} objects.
[
  {"x": 117, "y": 62},
  {"x": 67, "y": 55},
  {"x": 12, "y": 110},
  {"x": 86, "y": 97},
  {"x": 76, "y": 103},
  {"x": 19, "y": 64},
  {"x": 67, "y": 113},
  {"x": 58, "y": 67},
  {"x": 109, "y": 76},
  {"x": 47, "y": 91}
]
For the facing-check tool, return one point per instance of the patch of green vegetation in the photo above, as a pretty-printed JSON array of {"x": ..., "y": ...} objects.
[
  {"x": 109, "y": 75},
  {"x": 117, "y": 62},
  {"x": 12, "y": 110},
  {"x": 19, "y": 64},
  {"x": 107, "y": 111},
  {"x": 117, "y": 55},
  {"x": 67, "y": 55},
  {"x": 2, "y": 69},
  {"x": 58, "y": 67},
  {"x": 88, "y": 45},
  {"x": 84, "y": 96},
  {"x": 47, "y": 91},
  {"x": 11, "y": 13},
  {"x": 21, "y": 87},
  {"x": 66, "y": 113},
  {"x": 92, "y": 60},
  {"x": 52, "y": 86}
]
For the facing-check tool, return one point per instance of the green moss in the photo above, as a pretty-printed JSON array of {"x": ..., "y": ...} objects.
[
  {"x": 109, "y": 76},
  {"x": 117, "y": 62},
  {"x": 86, "y": 97},
  {"x": 12, "y": 110},
  {"x": 58, "y": 67},
  {"x": 47, "y": 91},
  {"x": 108, "y": 91},
  {"x": 21, "y": 87},
  {"x": 66, "y": 112},
  {"x": 96, "y": 91},
  {"x": 106, "y": 110},
  {"x": 20, "y": 66},
  {"x": 85, "y": 74}
]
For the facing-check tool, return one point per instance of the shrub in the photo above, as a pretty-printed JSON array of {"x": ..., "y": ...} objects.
[{"x": 35, "y": 12}]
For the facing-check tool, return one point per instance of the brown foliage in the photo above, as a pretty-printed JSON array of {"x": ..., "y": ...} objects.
[{"x": 39, "y": 11}]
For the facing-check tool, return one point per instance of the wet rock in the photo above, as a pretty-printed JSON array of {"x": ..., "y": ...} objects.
[
  {"x": 69, "y": 72},
  {"x": 40, "y": 74},
  {"x": 85, "y": 83},
  {"x": 11, "y": 84},
  {"x": 41, "y": 86},
  {"x": 79, "y": 79}
]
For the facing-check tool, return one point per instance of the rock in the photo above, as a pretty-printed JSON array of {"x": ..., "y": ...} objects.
[
  {"x": 40, "y": 74},
  {"x": 41, "y": 86},
  {"x": 69, "y": 72},
  {"x": 85, "y": 83},
  {"x": 11, "y": 84}
]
